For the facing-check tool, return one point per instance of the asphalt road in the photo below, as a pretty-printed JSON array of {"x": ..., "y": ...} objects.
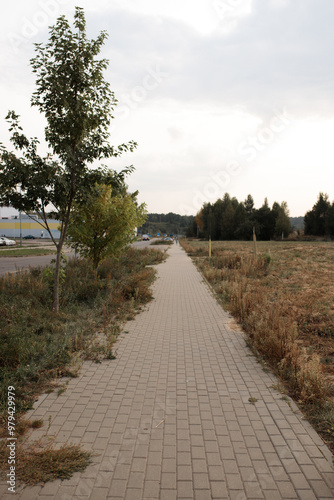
[{"x": 14, "y": 264}]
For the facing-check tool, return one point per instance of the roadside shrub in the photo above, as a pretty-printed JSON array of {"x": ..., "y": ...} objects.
[{"x": 136, "y": 286}]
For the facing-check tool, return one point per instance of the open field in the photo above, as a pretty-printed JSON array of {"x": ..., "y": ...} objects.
[{"x": 283, "y": 297}]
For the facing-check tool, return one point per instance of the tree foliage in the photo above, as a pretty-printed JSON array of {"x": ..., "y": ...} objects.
[
  {"x": 105, "y": 222},
  {"x": 169, "y": 223},
  {"x": 77, "y": 103},
  {"x": 320, "y": 220},
  {"x": 229, "y": 219}
]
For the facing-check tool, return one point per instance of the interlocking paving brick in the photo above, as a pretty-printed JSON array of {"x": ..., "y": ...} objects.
[{"x": 170, "y": 417}]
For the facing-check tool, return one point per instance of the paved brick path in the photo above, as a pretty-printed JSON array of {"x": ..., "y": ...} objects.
[{"x": 170, "y": 418}]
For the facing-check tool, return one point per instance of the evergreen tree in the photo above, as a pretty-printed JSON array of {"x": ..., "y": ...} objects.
[
  {"x": 330, "y": 221},
  {"x": 264, "y": 221},
  {"x": 249, "y": 204},
  {"x": 228, "y": 221},
  {"x": 316, "y": 221}
]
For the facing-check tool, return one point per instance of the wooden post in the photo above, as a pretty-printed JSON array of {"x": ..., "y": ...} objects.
[
  {"x": 254, "y": 240},
  {"x": 209, "y": 247}
]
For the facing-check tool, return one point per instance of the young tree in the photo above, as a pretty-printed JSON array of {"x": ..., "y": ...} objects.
[
  {"x": 105, "y": 222},
  {"x": 77, "y": 103}
]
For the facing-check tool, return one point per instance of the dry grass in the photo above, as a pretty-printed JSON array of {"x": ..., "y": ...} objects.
[
  {"x": 38, "y": 462},
  {"x": 38, "y": 465},
  {"x": 284, "y": 299}
]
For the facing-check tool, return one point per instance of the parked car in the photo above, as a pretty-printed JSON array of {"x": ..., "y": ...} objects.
[
  {"x": 6, "y": 242},
  {"x": 146, "y": 237},
  {"x": 29, "y": 237}
]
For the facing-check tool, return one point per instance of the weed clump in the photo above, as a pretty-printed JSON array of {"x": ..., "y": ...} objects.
[{"x": 41, "y": 465}]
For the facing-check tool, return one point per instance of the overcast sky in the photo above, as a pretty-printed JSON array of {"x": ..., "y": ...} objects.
[{"x": 222, "y": 96}]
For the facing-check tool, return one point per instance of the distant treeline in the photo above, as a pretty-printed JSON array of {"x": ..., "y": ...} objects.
[
  {"x": 297, "y": 223},
  {"x": 230, "y": 219},
  {"x": 167, "y": 224}
]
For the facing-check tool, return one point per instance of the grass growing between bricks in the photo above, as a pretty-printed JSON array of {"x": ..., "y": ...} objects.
[
  {"x": 283, "y": 298},
  {"x": 38, "y": 346}
]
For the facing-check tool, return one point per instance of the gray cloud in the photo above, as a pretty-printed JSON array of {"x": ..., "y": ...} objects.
[
  {"x": 274, "y": 57},
  {"x": 278, "y": 56}
]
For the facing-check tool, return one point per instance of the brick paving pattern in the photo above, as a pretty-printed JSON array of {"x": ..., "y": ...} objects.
[{"x": 184, "y": 412}]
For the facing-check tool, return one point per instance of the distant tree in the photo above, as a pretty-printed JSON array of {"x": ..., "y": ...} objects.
[
  {"x": 330, "y": 221},
  {"x": 227, "y": 223},
  {"x": 77, "y": 103},
  {"x": 191, "y": 231},
  {"x": 212, "y": 222},
  {"x": 282, "y": 220},
  {"x": 199, "y": 222},
  {"x": 218, "y": 210},
  {"x": 249, "y": 204},
  {"x": 208, "y": 220},
  {"x": 102, "y": 224},
  {"x": 243, "y": 223},
  {"x": 264, "y": 221},
  {"x": 316, "y": 220}
]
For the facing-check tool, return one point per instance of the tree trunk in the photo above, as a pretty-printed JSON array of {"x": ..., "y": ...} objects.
[{"x": 56, "y": 277}]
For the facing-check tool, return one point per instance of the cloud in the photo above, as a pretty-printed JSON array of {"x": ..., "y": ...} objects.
[
  {"x": 196, "y": 81},
  {"x": 276, "y": 56},
  {"x": 279, "y": 4}
]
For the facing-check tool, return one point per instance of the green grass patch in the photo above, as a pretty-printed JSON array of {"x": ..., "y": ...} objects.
[{"x": 23, "y": 252}]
